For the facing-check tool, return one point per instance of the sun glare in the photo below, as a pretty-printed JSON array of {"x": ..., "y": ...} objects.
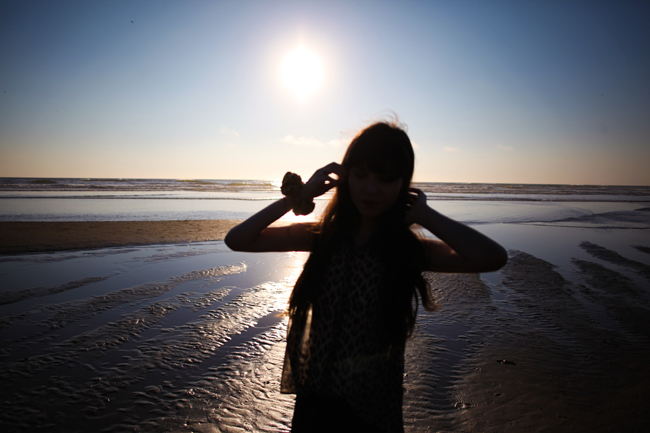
[{"x": 302, "y": 72}]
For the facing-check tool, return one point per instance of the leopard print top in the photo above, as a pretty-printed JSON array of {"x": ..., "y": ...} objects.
[{"x": 339, "y": 351}]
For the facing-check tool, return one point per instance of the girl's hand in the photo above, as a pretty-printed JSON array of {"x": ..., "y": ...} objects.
[
  {"x": 323, "y": 180},
  {"x": 417, "y": 207}
]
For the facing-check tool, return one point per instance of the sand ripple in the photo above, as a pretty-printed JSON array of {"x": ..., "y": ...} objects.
[
  {"x": 534, "y": 347},
  {"x": 570, "y": 348}
]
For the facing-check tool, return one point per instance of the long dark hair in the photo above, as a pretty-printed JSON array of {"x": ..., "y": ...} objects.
[{"x": 383, "y": 147}]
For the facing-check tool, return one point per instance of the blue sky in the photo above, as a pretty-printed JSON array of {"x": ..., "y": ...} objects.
[{"x": 491, "y": 91}]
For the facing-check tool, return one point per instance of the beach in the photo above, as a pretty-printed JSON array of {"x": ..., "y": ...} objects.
[
  {"x": 29, "y": 237},
  {"x": 158, "y": 326}
]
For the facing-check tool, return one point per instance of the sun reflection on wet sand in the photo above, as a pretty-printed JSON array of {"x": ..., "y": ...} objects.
[
  {"x": 154, "y": 354},
  {"x": 191, "y": 338}
]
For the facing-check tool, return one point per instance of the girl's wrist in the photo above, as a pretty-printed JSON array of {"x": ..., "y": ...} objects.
[
  {"x": 293, "y": 189},
  {"x": 288, "y": 204},
  {"x": 305, "y": 196},
  {"x": 425, "y": 214}
]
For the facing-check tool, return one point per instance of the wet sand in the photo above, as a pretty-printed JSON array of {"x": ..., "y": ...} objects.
[
  {"x": 553, "y": 354},
  {"x": 27, "y": 237},
  {"x": 190, "y": 337}
]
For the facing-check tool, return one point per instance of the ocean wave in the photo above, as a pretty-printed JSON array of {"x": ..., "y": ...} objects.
[
  {"x": 145, "y": 197},
  {"x": 596, "y": 215},
  {"x": 635, "y": 219},
  {"x": 541, "y": 198},
  {"x": 43, "y": 182},
  {"x": 620, "y": 214},
  {"x": 270, "y": 195},
  {"x": 445, "y": 190}
]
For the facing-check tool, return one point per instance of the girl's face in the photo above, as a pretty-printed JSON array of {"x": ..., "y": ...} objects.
[{"x": 373, "y": 193}]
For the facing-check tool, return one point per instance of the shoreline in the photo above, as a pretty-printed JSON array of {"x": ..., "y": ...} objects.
[{"x": 45, "y": 236}]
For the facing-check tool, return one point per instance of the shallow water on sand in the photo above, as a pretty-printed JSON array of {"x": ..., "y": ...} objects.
[
  {"x": 136, "y": 338},
  {"x": 191, "y": 338}
]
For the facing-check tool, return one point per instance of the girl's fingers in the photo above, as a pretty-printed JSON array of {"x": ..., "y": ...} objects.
[
  {"x": 325, "y": 179},
  {"x": 418, "y": 194},
  {"x": 326, "y": 173},
  {"x": 330, "y": 182}
]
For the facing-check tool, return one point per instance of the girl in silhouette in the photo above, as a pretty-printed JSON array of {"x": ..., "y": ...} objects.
[{"x": 355, "y": 303}]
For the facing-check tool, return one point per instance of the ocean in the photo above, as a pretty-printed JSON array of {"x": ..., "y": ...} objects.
[
  {"x": 190, "y": 337},
  {"x": 61, "y": 199}
]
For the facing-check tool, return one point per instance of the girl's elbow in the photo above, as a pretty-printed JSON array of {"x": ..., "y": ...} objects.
[
  {"x": 497, "y": 261},
  {"x": 232, "y": 242},
  {"x": 229, "y": 243}
]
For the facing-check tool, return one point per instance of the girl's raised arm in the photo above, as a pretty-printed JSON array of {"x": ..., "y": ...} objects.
[
  {"x": 461, "y": 248},
  {"x": 255, "y": 235}
]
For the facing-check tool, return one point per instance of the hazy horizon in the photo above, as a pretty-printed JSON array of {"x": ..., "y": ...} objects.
[{"x": 279, "y": 180}]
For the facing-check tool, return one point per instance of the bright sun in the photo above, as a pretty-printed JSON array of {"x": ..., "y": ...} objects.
[{"x": 302, "y": 72}]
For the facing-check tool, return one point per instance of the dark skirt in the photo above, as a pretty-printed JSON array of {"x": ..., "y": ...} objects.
[{"x": 327, "y": 414}]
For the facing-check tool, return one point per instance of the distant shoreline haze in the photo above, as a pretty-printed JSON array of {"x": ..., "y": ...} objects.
[{"x": 28, "y": 184}]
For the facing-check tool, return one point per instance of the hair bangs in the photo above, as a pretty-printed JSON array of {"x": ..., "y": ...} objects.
[{"x": 384, "y": 149}]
